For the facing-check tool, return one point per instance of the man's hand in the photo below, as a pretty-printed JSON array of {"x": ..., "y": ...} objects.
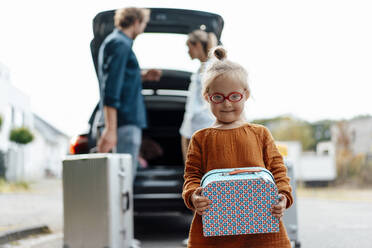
[
  {"x": 201, "y": 203},
  {"x": 278, "y": 210},
  {"x": 151, "y": 75},
  {"x": 107, "y": 141},
  {"x": 109, "y": 135}
]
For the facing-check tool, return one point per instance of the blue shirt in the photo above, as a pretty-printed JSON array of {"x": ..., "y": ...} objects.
[{"x": 120, "y": 80}]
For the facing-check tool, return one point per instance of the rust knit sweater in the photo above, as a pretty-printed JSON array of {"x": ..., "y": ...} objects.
[{"x": 248, "y": 145}]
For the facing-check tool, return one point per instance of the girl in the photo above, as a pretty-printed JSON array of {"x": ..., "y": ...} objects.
[
  {"x": 231, "y": 142},
  {"x": 197, "y": 115}
]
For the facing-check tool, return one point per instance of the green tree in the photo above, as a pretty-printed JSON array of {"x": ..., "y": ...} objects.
[
  {"x": 321, "y": 131},
  {"x": 272, "y": 121},
  {"x": 287, "y": 128},
  {"x": 360, "y": 117},
  {"x": 295, "y": 130},
  {"x": 1, "y": 121}
]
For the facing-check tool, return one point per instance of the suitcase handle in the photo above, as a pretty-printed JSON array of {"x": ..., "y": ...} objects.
[
  {"x": 244, "y": 171},
  {"x": 125, "y": 196}
]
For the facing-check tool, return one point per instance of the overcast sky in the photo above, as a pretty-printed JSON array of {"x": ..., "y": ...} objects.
[{"x": 311, "y": 59}]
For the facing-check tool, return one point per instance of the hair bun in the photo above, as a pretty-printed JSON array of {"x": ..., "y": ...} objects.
[{"x": 219, "y": 52}]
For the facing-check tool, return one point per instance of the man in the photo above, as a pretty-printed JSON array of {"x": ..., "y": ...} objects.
[{"x": 120, "y": 81}]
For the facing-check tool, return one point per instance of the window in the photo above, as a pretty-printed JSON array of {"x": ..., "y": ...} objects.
[
  {"x": 18, "y": 120},
  {"x": 164, "y": 51},
  {"x": 9, "y": 115},
  {"x": 15, "y": 116}
]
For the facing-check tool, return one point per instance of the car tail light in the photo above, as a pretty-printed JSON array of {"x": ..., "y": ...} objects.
[{"x": 79, "y": 145}]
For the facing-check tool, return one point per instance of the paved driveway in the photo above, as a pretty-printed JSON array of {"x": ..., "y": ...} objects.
[
  {"x": 339, "y": 218},
  {"x": 335, "y": 218},
  {"x": 41, "y": 205}
]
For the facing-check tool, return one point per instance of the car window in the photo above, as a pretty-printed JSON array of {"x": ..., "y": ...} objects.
[{"x": 164, "y": 51}]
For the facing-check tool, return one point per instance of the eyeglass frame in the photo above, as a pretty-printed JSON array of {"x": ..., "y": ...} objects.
[{"x": 226, "y": 97}]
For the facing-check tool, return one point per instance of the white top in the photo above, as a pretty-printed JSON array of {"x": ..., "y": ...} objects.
[{"x": 197, "y": 113}]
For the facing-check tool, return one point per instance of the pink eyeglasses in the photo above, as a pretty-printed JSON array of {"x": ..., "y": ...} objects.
[{"x": 220, "y": 98}]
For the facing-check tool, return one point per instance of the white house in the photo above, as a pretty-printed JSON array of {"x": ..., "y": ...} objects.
[
  {"x": 15, "y": 108},
  {"x": 49, "y": 147},
  {"x": 358, "y": 132},
  {"x": 15, "y": 111},
  {"x": 41, "y": 157}
]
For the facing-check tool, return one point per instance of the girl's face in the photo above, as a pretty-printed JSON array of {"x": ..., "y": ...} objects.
[
  {"x": 195, "y": 50},
  {"x": 227, "y": 112}
]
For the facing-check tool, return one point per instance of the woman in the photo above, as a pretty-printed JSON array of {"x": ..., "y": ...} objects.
[{"x": 197, "y": 114}]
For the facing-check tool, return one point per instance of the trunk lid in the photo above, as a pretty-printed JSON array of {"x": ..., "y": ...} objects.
[{"x": 162, "y": 20}]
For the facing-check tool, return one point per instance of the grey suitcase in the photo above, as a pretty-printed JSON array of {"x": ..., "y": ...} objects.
[
  {"x": 290, "y": 216},
  {"x": 97, "y": 198}
]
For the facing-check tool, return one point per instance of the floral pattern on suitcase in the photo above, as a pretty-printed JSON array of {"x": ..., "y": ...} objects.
[{"x": 240, "y": 207}]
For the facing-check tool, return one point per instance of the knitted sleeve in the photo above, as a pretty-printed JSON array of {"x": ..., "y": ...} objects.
[
  {"x": 274, "y": 163},
  {"x": 193, "y": 171}
]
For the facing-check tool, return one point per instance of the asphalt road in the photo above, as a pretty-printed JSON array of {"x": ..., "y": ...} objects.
[
  {"x": 335, "y": 223},
  {"x": 327, "y": 218},
  {"x": 322, "y": 224},
  {"x": 162, "y": 230}
]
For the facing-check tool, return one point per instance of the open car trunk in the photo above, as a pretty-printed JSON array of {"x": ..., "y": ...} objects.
[
  {"x": 161, "y": 144},
  {"x": 165, "y": 108},
  {"x": 162, "y": 138}
]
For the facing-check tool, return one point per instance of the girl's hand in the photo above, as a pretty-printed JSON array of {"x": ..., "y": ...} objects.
[
  {"x": 201, "y": 203},
  {"x": 278, "y": 210}
]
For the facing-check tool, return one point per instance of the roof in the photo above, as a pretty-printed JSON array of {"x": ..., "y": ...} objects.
[{"x": 49, "y": 131}]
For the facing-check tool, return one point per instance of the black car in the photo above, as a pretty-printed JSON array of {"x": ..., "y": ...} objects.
[{"x": 159, "y": 186}]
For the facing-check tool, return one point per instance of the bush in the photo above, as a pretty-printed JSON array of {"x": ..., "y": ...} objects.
[
  {"x": 1, "y": 121},
  {"x": 21, "y": 135},
  {"x": 354, "y": 169},
  {"x": 366, "y": 175}
]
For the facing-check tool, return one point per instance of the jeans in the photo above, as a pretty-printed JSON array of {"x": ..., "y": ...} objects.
[{"x": 129, "y": 141}]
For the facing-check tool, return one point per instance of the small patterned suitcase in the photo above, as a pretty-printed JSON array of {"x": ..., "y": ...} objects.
[{"x": 241, "y": 201}]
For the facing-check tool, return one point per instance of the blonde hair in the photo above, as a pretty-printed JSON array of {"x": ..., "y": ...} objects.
[
  {"x": 222, "y": 67},
  {"x": 126, "y": 17},
  {"x": 207, "y": 40}
]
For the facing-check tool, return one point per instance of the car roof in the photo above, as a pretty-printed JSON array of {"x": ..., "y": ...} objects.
[{"x": 162, "y": 20}]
